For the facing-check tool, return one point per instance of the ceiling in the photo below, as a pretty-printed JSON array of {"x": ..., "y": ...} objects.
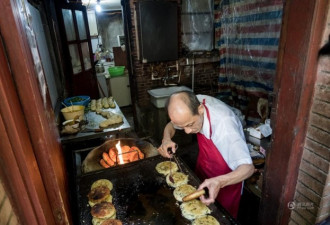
[{"x": 107, "y": 5}]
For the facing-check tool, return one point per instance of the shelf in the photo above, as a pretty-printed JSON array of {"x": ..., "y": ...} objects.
[
  {"x": 254, "y": 189},
  {"x": 264, "y": 142}
]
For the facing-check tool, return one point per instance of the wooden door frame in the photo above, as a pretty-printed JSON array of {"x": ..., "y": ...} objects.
[
  {"x": 302, "y": 30},
  {"x": 22, "y": 180},
  {"x": 34, "y": 165},
  {"x": 127, "y": 21}
]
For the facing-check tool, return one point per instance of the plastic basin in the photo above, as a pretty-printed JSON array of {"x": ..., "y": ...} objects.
[
  {"x": 116, "y": 71},
  {"x": 77, "y": 100},
  {"x": 73, "y": 112},
  {"x": 159, "y": 96}
]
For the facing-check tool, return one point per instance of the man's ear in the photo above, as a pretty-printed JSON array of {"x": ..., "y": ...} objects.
[{"x": 200, "y": 109}]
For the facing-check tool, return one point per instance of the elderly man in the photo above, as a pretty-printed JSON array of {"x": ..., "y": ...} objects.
[{"x": 223, "y": 160}]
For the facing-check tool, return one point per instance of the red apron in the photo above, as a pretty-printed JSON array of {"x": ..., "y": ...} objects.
[{"x": 210, "y": 163}]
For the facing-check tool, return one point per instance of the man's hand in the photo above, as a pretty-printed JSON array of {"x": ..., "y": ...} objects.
[
  {"x": 214, "y": 185},
  {"x": 166, "y": 143}
]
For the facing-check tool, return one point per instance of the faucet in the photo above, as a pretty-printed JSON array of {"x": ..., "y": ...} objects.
[
  {"x": 168, "y": 77},
  {"x": 165, "y": 79}
]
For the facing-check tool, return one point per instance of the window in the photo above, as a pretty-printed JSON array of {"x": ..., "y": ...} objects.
[
  {"x": 45, "y": 50},
  {"x": 197, "y": 25}
]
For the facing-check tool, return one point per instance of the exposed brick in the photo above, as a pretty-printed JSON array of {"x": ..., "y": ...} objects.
[
  {"x": 291, "y": 222},
  {"x": 325, "y": 201},
  {"x": 318, "y": 149},
  {"x": 5, "y": 212},
  {"x": 208, "y": 67},
  {"x": 326, "y": 190},
  {"x": 309, "y": 217},
  {"x": 320, "y": 121},
  {"x": 309, "y": 194},
  {"x": 321, "y": 107},
  {"x": 306, "y": 208},
  {"x": 314, "y": 172},
  {"x": 316, "y": 160},
  {"x": 13, "y": 220},
  {"x": 2, "y": 192},
  {"x": 322, "y": 92},
  {"x": 314, "y": 175},
  {"x": 324, "y": 210},
  {"x": 318, "y": 135},
  {"x": 310, "y": 182},
  {"x": 323, "y": 77},
  {"x": 298, "y": 219},
  {"x": 321, "y": 218}
]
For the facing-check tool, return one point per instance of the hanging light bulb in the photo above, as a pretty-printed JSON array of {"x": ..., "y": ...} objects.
[{"x": 98, "y": 7}]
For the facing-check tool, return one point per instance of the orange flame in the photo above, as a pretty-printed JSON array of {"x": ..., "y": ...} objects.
[{"x": 120, "y": 156}]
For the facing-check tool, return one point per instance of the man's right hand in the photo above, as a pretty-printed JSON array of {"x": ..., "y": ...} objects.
[{"x": 168, "y": 143}]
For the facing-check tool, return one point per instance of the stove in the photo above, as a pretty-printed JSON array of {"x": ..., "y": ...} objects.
[{"x": 140, "y": 194}]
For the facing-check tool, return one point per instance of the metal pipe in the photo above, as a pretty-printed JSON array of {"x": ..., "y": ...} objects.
[{"x": 193, "y": 73}]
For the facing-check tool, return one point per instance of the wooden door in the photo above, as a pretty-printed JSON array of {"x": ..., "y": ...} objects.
[
  {"x": 301, "y": 34},
  {"x": 78, "y": 57},
  {"x": 32, "y": 164}
]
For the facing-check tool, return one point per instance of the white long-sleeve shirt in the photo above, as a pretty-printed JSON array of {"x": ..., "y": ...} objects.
[{"x": 227, "y": 132}]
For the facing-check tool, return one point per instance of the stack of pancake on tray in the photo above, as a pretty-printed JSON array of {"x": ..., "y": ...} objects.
[
  {"x": 100, "y": 199},
  {"x": 193, "y": 210}
]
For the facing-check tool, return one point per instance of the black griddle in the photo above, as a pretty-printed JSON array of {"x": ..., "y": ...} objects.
[{"x": 141, "y": 195}]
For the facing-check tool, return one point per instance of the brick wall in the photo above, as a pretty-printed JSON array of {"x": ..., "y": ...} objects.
[
  {"x": 312, "y": 197},
  {"x": 7, "y": 216},
  {"x": 205, "y": 70}
]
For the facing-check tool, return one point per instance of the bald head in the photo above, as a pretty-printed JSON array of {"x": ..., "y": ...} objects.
[
  {"x": 183, "y": 101},
  {"x": 185, "y": 111}
]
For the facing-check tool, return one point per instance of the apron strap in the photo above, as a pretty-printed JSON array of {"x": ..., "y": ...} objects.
[{"x": 208, "y": 116}]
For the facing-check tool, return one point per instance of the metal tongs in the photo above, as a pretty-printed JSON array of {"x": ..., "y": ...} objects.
[{"x": 169, "y": 150}]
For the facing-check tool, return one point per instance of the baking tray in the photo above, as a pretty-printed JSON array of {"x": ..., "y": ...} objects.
[
  {"x": 93, "y": 123},
  {"x": 141, "y": 195}
]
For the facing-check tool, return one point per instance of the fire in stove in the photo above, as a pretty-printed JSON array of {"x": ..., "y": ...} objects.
[{"x": 120, "y": 155}]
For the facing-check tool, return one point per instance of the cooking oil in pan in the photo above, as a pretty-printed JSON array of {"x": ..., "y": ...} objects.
[
  {"x": 155, "y": 207},
  {"x": 140, "y": 196}
]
